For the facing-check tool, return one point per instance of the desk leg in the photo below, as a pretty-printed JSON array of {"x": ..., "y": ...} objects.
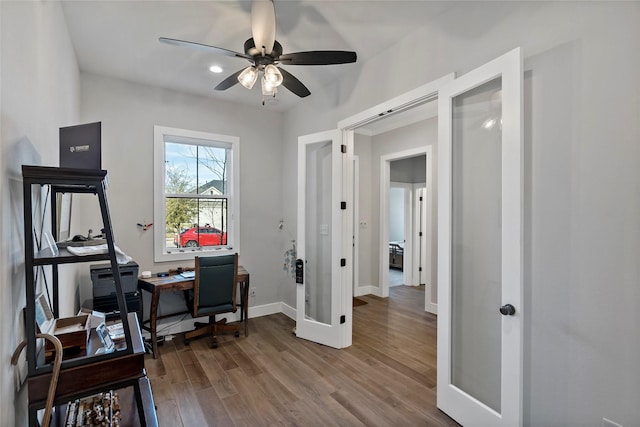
[
  {"x": 244, "y": 313},
  {"x": 153, "y": 318}
]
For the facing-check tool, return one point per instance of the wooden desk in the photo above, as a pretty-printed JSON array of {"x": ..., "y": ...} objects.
[{"x": 157, "y": 285}]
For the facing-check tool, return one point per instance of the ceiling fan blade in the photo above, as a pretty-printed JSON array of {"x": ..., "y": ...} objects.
[
  {"x": 263, "y": 24},
  {"x": 318, "y": 57},
  {"x": 205, "y": 47},
  {"x": 293, "y": 84},
  {"x": 229, "y": 81}
]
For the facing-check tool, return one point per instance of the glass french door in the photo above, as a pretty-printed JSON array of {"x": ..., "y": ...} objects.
[
  {"x": 323, "y": 290},
  {"x": 480, "y": 245}
]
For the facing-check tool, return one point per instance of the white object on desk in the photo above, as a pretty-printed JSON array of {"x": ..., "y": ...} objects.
[{"x": 188, "y": 274}]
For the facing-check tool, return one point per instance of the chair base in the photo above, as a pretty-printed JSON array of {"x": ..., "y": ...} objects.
[{"x": 212, "y": 328}]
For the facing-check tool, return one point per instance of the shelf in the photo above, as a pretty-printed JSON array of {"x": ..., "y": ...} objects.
[
  {"x": 84, "y": 373},
  {"x": 91, "y": 371},
  {"x": 46, "y": 257},
  {"x": 128, "y": 395},
  {"x": 76, "y": 179}
]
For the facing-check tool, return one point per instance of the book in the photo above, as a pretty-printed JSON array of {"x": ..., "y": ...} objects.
[{"x": 102, "y": 409}]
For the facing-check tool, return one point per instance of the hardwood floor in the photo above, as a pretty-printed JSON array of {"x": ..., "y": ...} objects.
[{"x": 271, "y": 378}]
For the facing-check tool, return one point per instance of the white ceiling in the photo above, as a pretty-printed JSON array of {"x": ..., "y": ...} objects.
[{"x": 120, "y": 39}]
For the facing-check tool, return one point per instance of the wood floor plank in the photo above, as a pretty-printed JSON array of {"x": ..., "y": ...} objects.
[
  {"x": 213, "y": 409},
  {"x": 190, "y": 412},
  {"x": 168, "y": 414},
  {"x": 172, "y": 364},
  {"x": 271, "y": 411},
  {"x": 215, "y": 374},
  {"x": 242, "y": 359},
  {"x": 322, "y": 411},
  {"x": 272, "y": 387},
  {"x": 272, "y": 378},
  {"x": 224, "y": 359}
]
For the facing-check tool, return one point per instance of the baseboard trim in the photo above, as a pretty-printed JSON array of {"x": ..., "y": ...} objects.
[
  {"x": 175, "y": 325},
  {"x": 288, "y": 311},
  {"x": 430, "y": 306},
  {"x": 362, "y": 290}
]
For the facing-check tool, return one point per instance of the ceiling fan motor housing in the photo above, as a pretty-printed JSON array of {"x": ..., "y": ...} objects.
[{"x": 259, "y": 59}]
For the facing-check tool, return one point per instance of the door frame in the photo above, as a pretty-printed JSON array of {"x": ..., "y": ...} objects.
[
  {"x": 356, "y": 226},
  {"x": 385, "y": 185}
]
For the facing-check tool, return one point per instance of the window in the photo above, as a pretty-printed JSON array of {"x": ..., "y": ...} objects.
[{"x": 195, "y": 194}]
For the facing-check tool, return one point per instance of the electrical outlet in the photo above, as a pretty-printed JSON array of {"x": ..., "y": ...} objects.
[
  {"x": 252, "y": 292},
  {"x": 609, "y": 423}
]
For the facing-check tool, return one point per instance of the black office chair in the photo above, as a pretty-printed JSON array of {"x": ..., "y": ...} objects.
[{"x": 214, "y": 292}]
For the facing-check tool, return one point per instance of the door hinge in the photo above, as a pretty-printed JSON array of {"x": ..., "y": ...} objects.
[
  {"x": 343, "y": 148},
  {"x": 343, "y": 205},
  {"x": 419, "y": 268},
  {"x": 343, "y": 319},
  {"x": 420, "y": 198},
  {"x": 420, "y": 234},
  {"x": 343, "y": 262}
]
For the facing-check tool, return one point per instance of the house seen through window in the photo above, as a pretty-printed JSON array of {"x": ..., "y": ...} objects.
[{"x": 195, "y": 183}]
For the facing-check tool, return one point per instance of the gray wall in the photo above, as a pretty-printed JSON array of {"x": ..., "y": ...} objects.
[
  {"x": 411, "y": 170},
  {"x": 39, "y": 93},
  {"x": 370, "y": 149},
  {"x": 582, "y": 200},
  {"x": 396, "y": 213},
  {"x": 128, "y": 112}
]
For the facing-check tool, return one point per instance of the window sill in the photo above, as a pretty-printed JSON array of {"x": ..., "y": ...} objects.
[{"x": 180, "y": 254}]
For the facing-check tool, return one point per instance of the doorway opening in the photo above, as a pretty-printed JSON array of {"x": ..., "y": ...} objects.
[
  {"x": 394, "y": 159},
  {"x": 407, "y": 219}
]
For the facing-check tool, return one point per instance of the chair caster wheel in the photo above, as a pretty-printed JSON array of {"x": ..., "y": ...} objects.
[
  {"x": 237, "y": 334},
  {"x": 214, "y": 345},
  {"x": 187, "y": 342}
]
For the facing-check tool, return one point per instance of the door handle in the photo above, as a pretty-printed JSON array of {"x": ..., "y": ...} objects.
[
  {"x": 507, "y": 310},
  {"x": 299, "y": 271}
]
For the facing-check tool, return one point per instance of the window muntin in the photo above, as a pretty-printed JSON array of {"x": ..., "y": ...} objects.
[{"x": 196, "y": 193}]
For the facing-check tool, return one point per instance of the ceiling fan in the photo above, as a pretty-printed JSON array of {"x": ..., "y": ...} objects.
[{"x": 265, "y": 54}]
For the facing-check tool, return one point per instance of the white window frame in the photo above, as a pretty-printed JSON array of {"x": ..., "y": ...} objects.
[{"x": 160, "y": 134}]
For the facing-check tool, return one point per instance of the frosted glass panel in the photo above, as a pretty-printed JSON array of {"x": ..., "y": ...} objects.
[
  {"x": 318, "y": 232},
  {"x": 476, "y": 252}
]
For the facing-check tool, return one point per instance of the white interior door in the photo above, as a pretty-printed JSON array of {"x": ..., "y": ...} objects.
[
  {"x": 323, "y": 303},
  {"x": 480, "y": 245}
]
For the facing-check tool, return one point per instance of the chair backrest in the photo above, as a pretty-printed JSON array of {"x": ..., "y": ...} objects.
[{"x": 215, "y": 284}]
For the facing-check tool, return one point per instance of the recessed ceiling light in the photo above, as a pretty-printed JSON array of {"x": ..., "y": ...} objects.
[{"x": 215, "y": 69}]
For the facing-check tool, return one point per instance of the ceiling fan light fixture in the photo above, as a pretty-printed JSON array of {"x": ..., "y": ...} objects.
[
  {"x": 248, "y": 77},
  {"x": 268, "y": 89},
  {"x": 273, "y": 75}
]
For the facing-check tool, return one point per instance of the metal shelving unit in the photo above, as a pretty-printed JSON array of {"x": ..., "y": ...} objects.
[{"x": 82, "y": 375}]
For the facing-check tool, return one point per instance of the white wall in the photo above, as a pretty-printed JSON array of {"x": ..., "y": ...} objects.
[
  {"x": 128, "y": 112},
  {"x": 416, "y": 135},
  {"x": 396, "y": 213},
  {"x": 582, "y": 200},
  {"x": 370, "y": 149},
  {"x": 362, "y": 148},
  {"x": 39, "y": 93}
]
